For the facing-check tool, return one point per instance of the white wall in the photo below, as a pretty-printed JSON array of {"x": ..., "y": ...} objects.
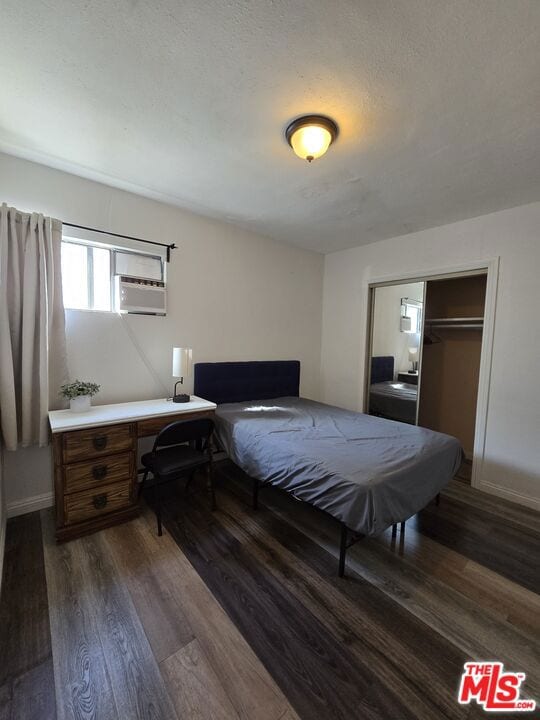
[
  {"x": 387, "y": 336},
  {"x": 512, "y": 449},
  {"x": 233, "y": 295}
]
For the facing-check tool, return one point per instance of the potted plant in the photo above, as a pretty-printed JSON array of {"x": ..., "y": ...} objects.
[{"x": 79, "y": 393}]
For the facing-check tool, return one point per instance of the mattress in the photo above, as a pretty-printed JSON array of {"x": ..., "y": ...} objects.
[
  {"x": 365, "y": 471},
  {"x": 394, "y": 400}
]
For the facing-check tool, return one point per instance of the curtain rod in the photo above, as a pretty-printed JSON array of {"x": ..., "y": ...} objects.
[{"x": 170, "y": 247}]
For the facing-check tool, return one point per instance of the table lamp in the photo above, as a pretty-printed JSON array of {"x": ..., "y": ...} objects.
[
  {"x": 413, "y": 352},
  {"x": 181, "y": 368}
]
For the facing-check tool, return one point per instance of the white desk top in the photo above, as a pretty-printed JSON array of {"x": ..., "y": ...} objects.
[{"x": 65, "y": 420}]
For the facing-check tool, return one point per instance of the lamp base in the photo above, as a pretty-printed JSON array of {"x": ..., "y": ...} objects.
[{"x": 181, "y": 398}]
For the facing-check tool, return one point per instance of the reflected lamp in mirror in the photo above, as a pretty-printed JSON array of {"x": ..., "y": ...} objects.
[
  {"x": 413, "y": 358},
  {"x": 181, "y": 368}
]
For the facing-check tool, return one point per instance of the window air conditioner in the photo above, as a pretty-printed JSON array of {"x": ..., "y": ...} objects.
[{"x": 140, "y": 296}]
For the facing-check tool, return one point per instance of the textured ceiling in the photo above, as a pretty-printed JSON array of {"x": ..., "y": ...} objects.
[{"x": 438, "y": 103}]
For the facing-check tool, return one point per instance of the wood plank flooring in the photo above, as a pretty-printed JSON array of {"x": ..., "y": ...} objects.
[
  {"x": 240, "y": 615},
  {"x": 26, "y": 667}
]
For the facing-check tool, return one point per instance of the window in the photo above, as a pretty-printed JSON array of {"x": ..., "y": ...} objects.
[
  {"x": 411, "y": 315},
  {"x": 88, "y": 273},
  {"x": 86, "y": 276}
]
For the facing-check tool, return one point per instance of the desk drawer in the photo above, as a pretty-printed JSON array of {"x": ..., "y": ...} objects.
[
  {"x": 95, "y": 442},
  {"x": 152, "y": 426},
  {"x": 90, "y": 504},
  {"x": 101, "y": 471}
]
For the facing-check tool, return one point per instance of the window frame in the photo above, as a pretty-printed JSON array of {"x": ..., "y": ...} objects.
[
  {"x": 417, "y": 305},
  {"x": 129, "y": 251},
  {"x": 112, "y": 249}
]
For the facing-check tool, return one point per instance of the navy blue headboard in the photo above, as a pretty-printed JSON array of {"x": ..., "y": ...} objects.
[
  {"x": 382, "y": 368},
  {"x": 254, "y": 380},
  {"x": 225, "y": 382}
]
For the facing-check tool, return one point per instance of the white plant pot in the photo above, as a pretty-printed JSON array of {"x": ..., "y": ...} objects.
[{"x": 80, "y": 404}]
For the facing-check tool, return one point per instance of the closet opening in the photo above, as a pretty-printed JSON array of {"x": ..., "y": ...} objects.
[{"x": 451, "y": 353}]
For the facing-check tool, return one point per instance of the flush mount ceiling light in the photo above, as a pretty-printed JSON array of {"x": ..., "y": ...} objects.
[{"x": 310, "y": 136}]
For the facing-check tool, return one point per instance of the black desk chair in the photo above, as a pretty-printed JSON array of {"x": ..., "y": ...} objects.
[{"x": 172, "y": 459}]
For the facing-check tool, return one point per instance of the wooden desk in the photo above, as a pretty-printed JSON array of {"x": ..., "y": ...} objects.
[{"x": 95, "y": 459}]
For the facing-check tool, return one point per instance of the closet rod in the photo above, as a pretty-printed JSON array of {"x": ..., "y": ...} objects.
[
  {"x": 453, "y": 320},
  {"x": 452, "y": 326},
  {"x": 170, "y": 247}
]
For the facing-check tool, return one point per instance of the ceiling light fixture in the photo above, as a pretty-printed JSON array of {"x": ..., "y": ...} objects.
[{"x": 310, "y": 136}]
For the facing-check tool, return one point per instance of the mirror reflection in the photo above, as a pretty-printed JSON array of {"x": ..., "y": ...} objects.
[{"x": 395, "y": 351}]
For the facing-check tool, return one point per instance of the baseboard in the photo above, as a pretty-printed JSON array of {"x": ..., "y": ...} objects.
[
  {"x": 31, "y": 504},
  {"x": 511, "y": 495}
]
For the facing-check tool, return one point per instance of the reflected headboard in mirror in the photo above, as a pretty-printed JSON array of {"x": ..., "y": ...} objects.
[{"x": 382, "y": 368}]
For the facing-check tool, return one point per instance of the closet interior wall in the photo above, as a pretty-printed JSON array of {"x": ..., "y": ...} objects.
[{"x": 451, "y": 358}]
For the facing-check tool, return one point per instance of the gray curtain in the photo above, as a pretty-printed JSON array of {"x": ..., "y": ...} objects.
[{"x": 32, "y": 328}]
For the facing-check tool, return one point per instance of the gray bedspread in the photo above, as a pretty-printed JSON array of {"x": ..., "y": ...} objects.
[
  {"x": 394, "y": 400},
  {"x": 365, "y": 471}
]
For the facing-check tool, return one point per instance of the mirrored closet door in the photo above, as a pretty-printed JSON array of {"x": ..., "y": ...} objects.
[
  {"x": 397, "y": 316},
  {"x": 425, "y": 352}
]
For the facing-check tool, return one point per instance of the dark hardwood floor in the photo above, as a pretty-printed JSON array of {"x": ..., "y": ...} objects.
[
  {"x": 240, "y": 614},
  {"x": 26, "y": 666}
]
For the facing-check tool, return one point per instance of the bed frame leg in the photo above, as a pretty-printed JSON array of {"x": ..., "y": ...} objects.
[
  {"x": 255, "y": 495},
  {"x": 342, "y": 550},
  {"x": 438, "y": 499}
]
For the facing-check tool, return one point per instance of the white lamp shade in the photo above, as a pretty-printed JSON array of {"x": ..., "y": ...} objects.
[{"x": 181, "y": 362}]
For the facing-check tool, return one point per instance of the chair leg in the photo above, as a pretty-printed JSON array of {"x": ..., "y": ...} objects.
[
  {"x": 157, "y": 498},
  {"x": 141, "y": 484},
  {"x": 394, "y": 530},
  {"x": 210, "y": 475},
  {"x": 188, "y": 483},
  {"x": 402, "y": 528}
]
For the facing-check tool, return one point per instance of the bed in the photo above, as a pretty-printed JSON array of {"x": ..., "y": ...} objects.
[
  {"x": 387, "y": 398},
  {"x": 367, "y": 472}
]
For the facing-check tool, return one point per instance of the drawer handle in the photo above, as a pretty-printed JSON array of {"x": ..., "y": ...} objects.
[
  {"x": 99, "y": 472},
  {"x": 100, "y": 442},
  {"x": 99, "y": 501}
]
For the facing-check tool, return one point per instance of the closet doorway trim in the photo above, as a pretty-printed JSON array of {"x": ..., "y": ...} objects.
[{"x": 491, "y": 269}]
